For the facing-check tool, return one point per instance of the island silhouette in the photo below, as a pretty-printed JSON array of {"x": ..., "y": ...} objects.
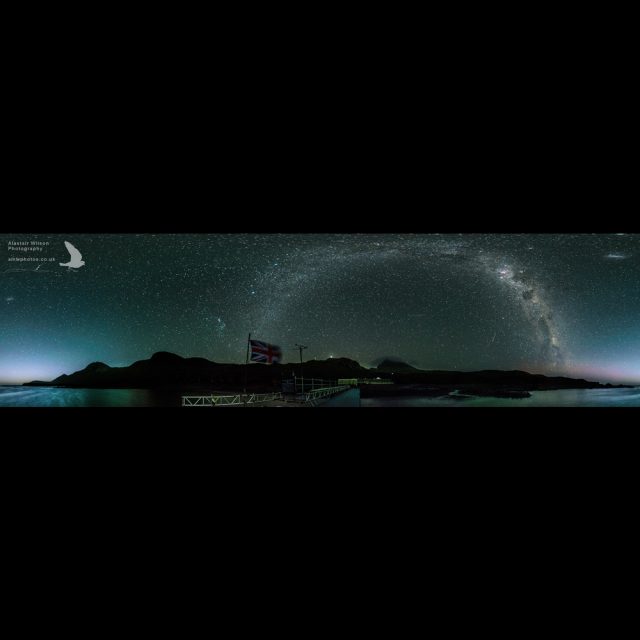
[{"x": 171, "y": 371}]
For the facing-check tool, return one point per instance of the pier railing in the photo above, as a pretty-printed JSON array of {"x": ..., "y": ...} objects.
[
  {"x": 308, "y": 396},
  {"x": 221, "y": 401},
  {"x": 310, "y": 390},
  {"x": 303, "y": 385},
  {"x": 311, "y": 397}
]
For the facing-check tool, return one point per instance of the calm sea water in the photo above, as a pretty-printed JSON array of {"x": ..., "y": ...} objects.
[
  {"x": 52, "y": 397},
  {"x": 562, "y": 398}
]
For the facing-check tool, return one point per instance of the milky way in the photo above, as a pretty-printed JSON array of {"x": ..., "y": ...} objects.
[
  {"x": 434, "y": 259},
  {"x": 544, "y": 303}
]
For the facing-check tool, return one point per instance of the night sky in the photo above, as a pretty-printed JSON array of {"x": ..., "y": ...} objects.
[{"x": 552, "y": 304}]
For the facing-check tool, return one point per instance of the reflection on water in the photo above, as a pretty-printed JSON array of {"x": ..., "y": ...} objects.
[
  {"x": 54, "y": 397},
  {"x": 561, "y": 398}
]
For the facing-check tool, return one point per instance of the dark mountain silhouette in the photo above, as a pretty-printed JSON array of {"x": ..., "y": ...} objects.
[
  {"x": 501, "y": 384},
  {"x": 331, "y": 368},
  {"x": 168, "y": 370},
  {"x": 165, "y": 369},
  {"x": 378, "y": 361},
  {"x": 395, "y": 366}
]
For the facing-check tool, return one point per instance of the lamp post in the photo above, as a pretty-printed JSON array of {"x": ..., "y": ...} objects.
[{"x": 301, "y": 347}]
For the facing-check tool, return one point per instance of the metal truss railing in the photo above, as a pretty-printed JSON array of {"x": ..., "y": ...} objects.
[
  {"x": 221, "y": 401},
  {"x": 308, "y": 397},
  {"x": 311, "y": 397}
]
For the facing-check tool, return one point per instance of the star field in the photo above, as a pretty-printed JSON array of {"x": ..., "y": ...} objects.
[{"x": 553, "y": 304}]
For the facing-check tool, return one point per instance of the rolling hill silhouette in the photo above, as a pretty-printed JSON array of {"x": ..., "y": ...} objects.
[{"x": 168, "y": 370}]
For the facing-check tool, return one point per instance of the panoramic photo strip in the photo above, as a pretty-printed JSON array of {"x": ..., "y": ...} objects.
[{"x": 217, "y": 321}]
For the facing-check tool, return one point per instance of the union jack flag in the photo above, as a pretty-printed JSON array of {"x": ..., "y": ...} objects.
[{"x": 264, "y": 352}]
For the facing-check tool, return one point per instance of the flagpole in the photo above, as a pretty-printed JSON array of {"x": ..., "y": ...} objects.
[{"x": 246, "y": 365}]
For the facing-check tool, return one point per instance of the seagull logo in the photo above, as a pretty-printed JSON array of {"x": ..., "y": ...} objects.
[{"x": 76, "y": 260}]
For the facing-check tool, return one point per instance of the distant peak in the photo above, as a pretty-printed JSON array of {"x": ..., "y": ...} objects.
[
  {"x": 94, "y": 366},
  {"x": 395, "y": 365},
  {"x": 165, "y": 356}
]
